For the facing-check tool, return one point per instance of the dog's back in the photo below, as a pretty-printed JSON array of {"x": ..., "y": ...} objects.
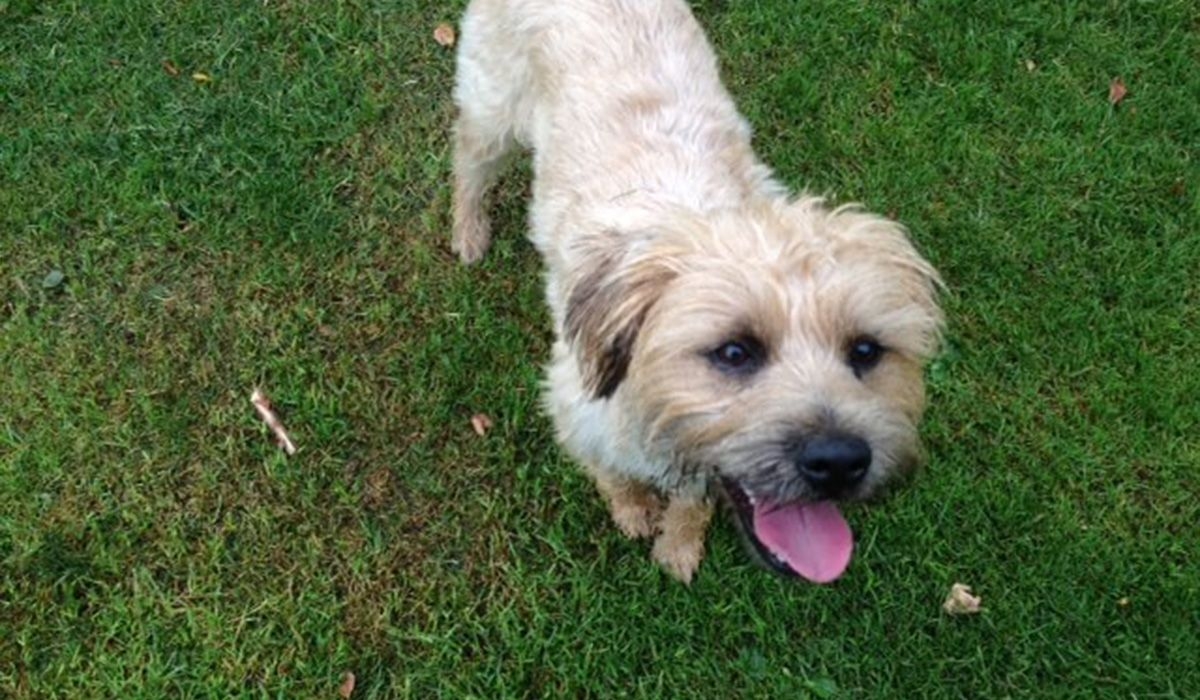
[
  {"x": 613, "y": 96},
  {"x": 525, "y": 56}
]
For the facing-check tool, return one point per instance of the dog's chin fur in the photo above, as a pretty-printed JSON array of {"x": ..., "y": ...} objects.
[{"x": 664, "y": 238}]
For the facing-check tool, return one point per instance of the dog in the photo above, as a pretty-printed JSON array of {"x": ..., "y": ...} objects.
[{"x": 714, "y": 335}]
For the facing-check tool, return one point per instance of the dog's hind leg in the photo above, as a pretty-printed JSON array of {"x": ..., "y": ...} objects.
[
  {"x": 478, "y": 156},
  {"x": 494, "y": 93}
]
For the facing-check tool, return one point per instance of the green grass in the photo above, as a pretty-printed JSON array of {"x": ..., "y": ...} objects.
[{"x": 285, "y": 225}]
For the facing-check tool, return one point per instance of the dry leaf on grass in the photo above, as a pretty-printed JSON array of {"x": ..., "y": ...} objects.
[
  {"x": 481, "y": 423},
  {"x": 443, "y": 34},
  {"x": 346, "y": 689},
  {"x": 263, "y": 405},
  {"x": 170, "y": 67},
  {"x": 1117, "y": 91},
  {"x": 1030, "y": 65},
  {"x": 202, "y": 77},
  {"x": 960, "y": 601}
]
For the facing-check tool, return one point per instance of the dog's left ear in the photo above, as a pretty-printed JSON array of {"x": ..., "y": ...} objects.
[{"x": 607, "y": 305}]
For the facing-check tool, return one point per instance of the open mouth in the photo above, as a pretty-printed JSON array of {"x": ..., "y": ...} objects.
[{"x": 806, "y": 539}]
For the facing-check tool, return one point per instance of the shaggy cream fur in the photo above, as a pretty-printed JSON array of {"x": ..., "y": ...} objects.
[{"x": 710, "y": 328}]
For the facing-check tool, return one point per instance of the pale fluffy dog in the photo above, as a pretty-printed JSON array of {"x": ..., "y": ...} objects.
[{"x": 713, "y": 334}]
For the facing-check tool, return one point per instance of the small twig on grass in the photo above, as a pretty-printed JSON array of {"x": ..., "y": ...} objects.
[{"x": 263, "y": 405}]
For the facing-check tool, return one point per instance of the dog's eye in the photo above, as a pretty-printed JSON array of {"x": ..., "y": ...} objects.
[
  {"x": 742, "y": 356},
  {"x": 864, "y": 353}
]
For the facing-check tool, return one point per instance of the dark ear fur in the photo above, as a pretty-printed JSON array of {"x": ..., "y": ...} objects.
[{"x": 605, "y": 312}]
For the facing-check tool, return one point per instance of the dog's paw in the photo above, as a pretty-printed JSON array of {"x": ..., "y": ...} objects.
[
  {"x": 469, "y": 251},
  {"x": 637, "y": 517},
  {"x": 471, "y": 240},
  {"x": 679, "y": 557}
]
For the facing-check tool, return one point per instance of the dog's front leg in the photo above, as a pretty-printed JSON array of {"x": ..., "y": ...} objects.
[
  {"x": 635, "y": 507},
  {"x": 679, "y": 546}
]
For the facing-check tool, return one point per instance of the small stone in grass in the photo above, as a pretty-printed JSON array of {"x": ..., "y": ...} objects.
[{"x": 53, "y": 279}]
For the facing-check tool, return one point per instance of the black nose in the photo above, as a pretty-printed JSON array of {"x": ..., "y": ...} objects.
[{"x": 834, "y": 464}]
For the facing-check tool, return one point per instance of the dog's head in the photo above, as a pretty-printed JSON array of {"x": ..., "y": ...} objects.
[{"x": 779, "y": 351}]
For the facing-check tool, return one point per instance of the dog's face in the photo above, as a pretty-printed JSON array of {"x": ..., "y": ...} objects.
[{"x": 779, "y": 353}]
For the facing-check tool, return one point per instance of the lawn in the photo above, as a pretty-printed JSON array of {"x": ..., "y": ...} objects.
[{"x": 198, "y": 198}]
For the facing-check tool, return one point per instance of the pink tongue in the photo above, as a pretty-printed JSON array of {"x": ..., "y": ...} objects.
[{"x": 812, "y": 538}]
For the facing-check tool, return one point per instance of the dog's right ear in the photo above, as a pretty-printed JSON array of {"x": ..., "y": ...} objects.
[{"x": 607, "y": 305}]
